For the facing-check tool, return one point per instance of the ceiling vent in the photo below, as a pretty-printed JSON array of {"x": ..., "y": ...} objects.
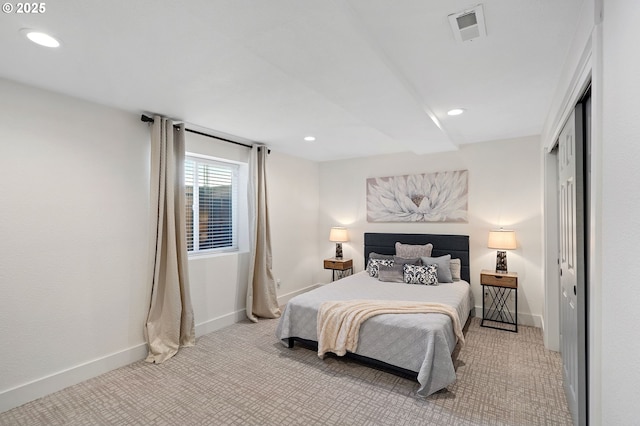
[{"x": 468, "y": 24}]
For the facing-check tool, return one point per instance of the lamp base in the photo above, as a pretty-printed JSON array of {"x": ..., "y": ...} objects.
[
  {"x": 501, "y": 262},
  {"x": 338, "y": 250}
]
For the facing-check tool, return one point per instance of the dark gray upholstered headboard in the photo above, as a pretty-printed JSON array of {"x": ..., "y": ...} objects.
[{"x": 456, "y": 245}]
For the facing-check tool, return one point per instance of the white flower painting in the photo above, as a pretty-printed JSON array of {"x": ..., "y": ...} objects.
[{"x": 429, "y": 197}]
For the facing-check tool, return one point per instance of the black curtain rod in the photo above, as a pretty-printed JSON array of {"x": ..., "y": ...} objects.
[{"x": 147, "y": 119}]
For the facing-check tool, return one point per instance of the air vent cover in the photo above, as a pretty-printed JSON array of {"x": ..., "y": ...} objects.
[{"x": 468, "y": 24}]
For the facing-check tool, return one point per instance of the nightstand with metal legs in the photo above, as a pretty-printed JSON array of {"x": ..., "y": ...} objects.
[
  {"x": 340, "y": 267},
  {"x": 498, "y": 287}
]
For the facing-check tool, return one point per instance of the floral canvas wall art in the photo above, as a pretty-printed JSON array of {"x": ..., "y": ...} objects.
[{"x": 428, "y": 197}]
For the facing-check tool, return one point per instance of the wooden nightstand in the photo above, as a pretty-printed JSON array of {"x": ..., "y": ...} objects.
[
  {"x": 498, "y": 287},
  {"x": 340, "y": 267}
]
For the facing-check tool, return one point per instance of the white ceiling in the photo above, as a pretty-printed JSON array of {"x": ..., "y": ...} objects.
[{"x": 365, "y": 77}]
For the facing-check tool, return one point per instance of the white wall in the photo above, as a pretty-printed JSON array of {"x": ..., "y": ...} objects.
[
  {"x": 504, "y": 190},
  {"x": 620, "y": 152},
  {"x": 293, "y": 185},
  {"x": 74, "y": 194},
  {"x": 74, "y": 189}
]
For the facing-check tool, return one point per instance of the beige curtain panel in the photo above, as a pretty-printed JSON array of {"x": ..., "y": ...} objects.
[
  {"x": 170, "y": 321},
  {"x": 262, "y": 300}
]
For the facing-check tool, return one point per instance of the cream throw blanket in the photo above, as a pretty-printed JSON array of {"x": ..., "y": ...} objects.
[{"x": 339, "y": 321}]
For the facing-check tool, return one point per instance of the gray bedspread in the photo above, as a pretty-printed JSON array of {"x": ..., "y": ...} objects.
[{"x": 418, "y": 342}]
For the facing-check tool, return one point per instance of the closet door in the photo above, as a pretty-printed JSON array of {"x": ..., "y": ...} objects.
[{"x": 572, "y": 264}]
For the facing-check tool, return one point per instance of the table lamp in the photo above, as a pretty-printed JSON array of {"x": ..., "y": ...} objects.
[
  {"x": 502, "y": 240},
  {"x": 338, "y": 235}
]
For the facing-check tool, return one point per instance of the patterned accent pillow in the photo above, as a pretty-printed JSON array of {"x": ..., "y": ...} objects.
[
  {"x": 372, "y": 266},
  {"x": 409, "y": 251},
  {"x": 414, "y": 274}
]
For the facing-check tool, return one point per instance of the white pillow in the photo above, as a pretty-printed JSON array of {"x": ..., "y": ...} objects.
[{"x": 456, "y": 268}]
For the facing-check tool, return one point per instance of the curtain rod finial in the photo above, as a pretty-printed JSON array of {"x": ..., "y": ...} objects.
[
  {"x": 146, "y": 119},
  {"x": 268, "y": 149}
]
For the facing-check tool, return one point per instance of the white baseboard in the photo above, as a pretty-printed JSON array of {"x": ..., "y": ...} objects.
[
  {"x": 220, "y": 322},
  {"x": 283, "y": 299},
  {"x": 240, "y": 315},
  {"x": 38, "y": 388},
  {"x": 523, "y": 318}
]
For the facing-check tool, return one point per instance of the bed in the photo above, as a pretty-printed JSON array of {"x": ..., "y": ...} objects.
[{"x": 418, "y": 346}]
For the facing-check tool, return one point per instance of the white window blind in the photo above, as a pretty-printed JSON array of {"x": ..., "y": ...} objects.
[{"x": 211, "y": 204}]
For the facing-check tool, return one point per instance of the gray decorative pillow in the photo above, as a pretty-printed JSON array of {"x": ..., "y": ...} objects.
[
  {"x": 414, "y": 274},
  {"x": 392, "y": 274},
  {"x": 401, "y": 261},
  {"x": 456, "y": 268},
  {"x": 444, "y": 268},
  {"x": 410, "y": 250},
  {"x": 372, "y": 266},
  {"x": 374, "y": 255}
]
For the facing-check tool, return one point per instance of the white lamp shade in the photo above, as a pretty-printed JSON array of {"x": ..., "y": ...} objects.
[
  {"x": 502, "y": 240},
  {"x": 338, "y": 235}
]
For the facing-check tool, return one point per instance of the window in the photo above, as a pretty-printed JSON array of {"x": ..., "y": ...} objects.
[{"x": 211, "y": 210}]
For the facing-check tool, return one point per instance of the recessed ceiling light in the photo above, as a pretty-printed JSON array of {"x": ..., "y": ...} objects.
[
  {"x": 41, "y": 38},
  {"x": 455, "y": 111},
  {"x": 309, "y": 138}
]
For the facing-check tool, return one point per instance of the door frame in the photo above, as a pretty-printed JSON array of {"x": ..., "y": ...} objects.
[
  {"x": 587, "y": 68},
  {"x": 551, "y": 321},
  {"x": 582, "y": 79},
  {"x": 551, "y": 326}
]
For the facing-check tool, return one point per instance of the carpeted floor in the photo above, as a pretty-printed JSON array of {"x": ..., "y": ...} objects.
[{"x": 242, "y": 375}]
